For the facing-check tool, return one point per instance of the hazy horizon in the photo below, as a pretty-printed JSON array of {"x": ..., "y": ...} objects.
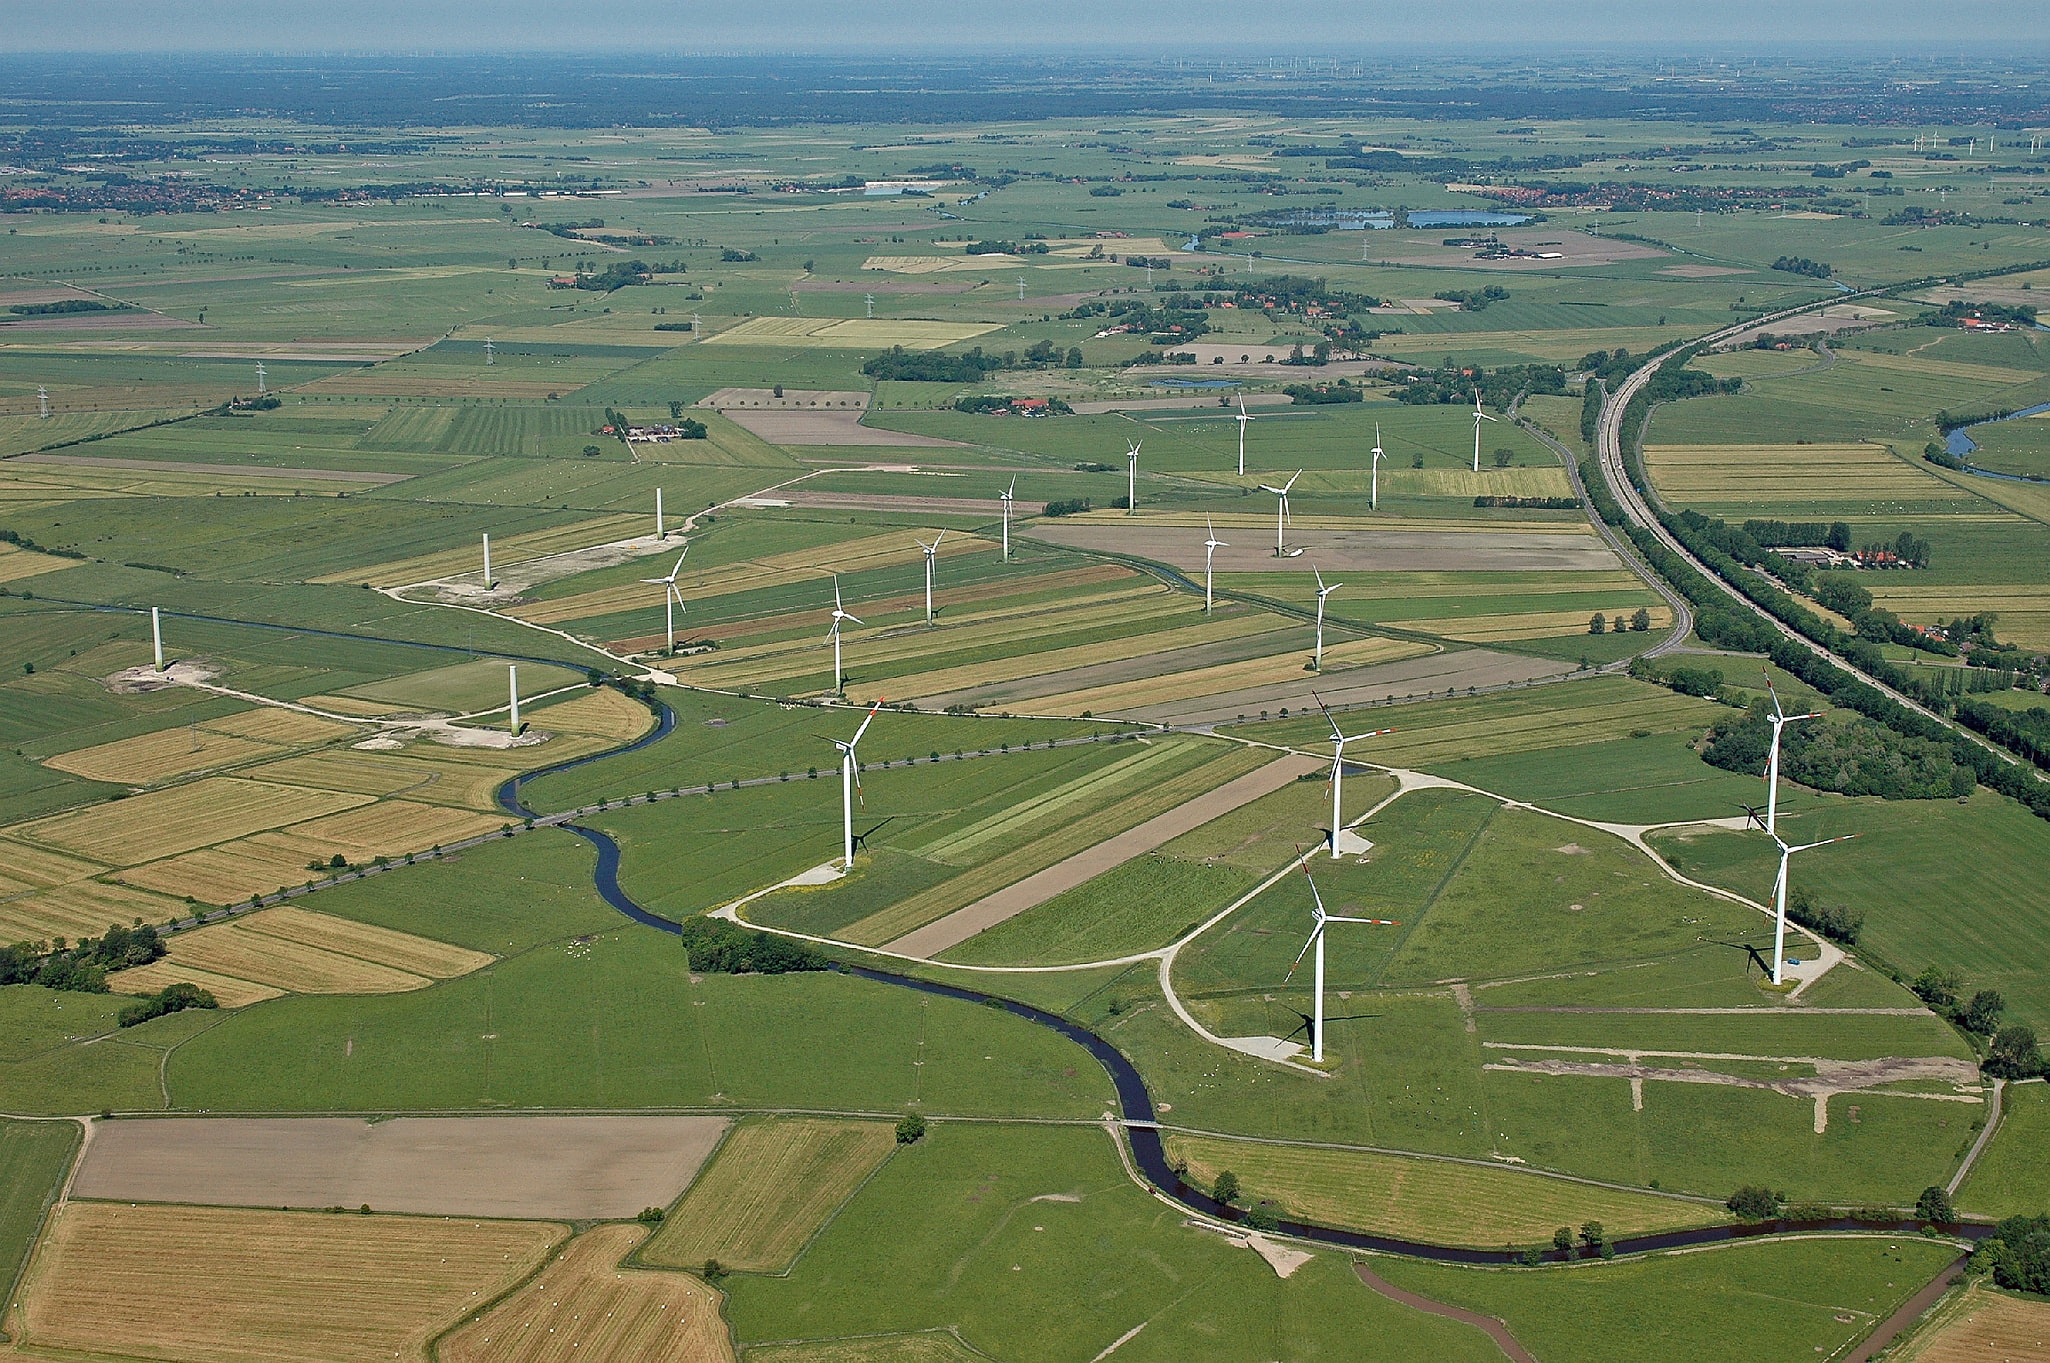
[{"x": 2019, "y": 29}]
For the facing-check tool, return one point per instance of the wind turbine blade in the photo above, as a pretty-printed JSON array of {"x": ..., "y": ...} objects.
[
  {"x": 1375, "y": 733},
  {"x": 837, "y": 607},
  {"x": 679, "y": 563},
  {"x": 1327, "y": 716},
  {"x": 1304, "y": 952},
  {"x": 936, "y": 541},
  {"x": 1012, "y": 491},
  {"x": 855, "y": 618},
  {"x": 866, "y": 722},
  {"x": 1377, "y": 922},
  {"x": 1321, "y": 588},
  {"x": 1291, "y": 482},
  {"x": 1808, "y": 846}
]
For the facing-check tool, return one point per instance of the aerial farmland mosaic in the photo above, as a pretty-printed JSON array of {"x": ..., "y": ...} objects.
[{"x": 1176, "y": 705}]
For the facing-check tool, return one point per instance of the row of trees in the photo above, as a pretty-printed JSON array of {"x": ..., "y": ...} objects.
[{"x": 1599, "y": 623}]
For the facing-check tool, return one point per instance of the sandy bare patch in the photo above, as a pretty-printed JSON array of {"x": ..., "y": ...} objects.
[
  {"x": 556, "y": 1167},
  {"x": 138, "y": 681},
  {"x": 1572, "y": 849},
  {"x": 840, "y": 426},
  {"x": 515, "y": 579},
  {"x": 1283, "y": 1259}
]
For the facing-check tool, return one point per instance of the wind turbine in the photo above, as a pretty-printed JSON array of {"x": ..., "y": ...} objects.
[
  {"x": 1339, "y": 738},
  {"x": 870, "y": 299},
  {"x": 1374, "y": 487},
  {"x": 1132, "y": 482},
  {"x": 42, "y": 402},
  {"x": 1281, "y": 514},
  {"x": 1317, "y": 942},
  {"x": 1210, "y": 548},
  {"x": 839, "y": 614},
  {"x": 1779, "y": 719},
  {"x": 260, "y": 389},
  {"x": 490, "y": 351},
  {"x": 1322, "y": 593},
  {"x": 1005, "y": 496},
  {"x": 1478, "y": 417},
  {"x": 1779, "y": 924},
  {"x": 1243, "y": 418},
  {"x": 672, "y": 598},
  {"x": 850, "y": 778},
  {"x": 931, "y": 551}
]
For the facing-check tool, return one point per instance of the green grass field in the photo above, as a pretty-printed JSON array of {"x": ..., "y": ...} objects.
[
  {"x": 1778, "y": 1300},
  {"x": 34, "y": 1157},
  {"x": 1009, "y": 1218},
  {"x": 2009, "y": 1179}
]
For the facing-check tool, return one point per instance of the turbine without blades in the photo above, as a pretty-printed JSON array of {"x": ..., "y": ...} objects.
[
  {"x": 1779, "y": 922},
  {"x": 1210, "y": 548},
  {"x": 672, "y": 598},
  {"x": 833, "y": 634},
  {"x": 1339, "y": 738},
  {"x": 931, "y": 551},
  {"x": 1006, "y": 496},
  {"x": 1322, "y": 919},
  {"x": 1281, "y": 515},
  {"x": 1322, "y": 593},
  {"x": 1374, "y": 487},
  {"x": 1478, "y": 417},
  {"x": 850, "y": 781},
  {"x": 1779, "y": 719},
  {"x": 1243, "y": 417}
]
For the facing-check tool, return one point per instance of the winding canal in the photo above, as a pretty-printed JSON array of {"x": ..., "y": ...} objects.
[{"x": 1135, "y": 1104}]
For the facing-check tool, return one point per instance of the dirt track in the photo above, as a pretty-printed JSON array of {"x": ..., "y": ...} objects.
[
  {"x": 979, "y": 507},
  {"x": 841, "y": 427},
  {"x": 962, "y": 924},
  {"x": 1495, "y": 1329},
  {"x": 561, "y": 1167},
  {"x": 221, "y": 470}
]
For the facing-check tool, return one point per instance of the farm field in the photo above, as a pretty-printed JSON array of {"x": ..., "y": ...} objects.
[
  {"x": 1793, "y": 1297},
  {"x": 1393, "y": 1195},
  {"x": 1738, "y": 481},
  {"x": 774, "y": 1182},
  {"x": 287, "y": 949},
  {"x": 1042, "y": 1200},
  {"x": 35, "y": 1157},
  {"x": 215, "y": 1283},
  {"x": 2008, "y": 1180},
  {"x": 556, "y": 1168},
  {"x": 590, "y": 1308},
  {"x": 1983, "y": 1324}
]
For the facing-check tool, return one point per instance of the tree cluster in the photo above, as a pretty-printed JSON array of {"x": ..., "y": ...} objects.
[
  {"x": 1497, "y": 387},
  {"x": 172, "y": 998},
  {"x": 1957, "y": 311},
  {"x": 931, "y": 366},
  {"x": 1801, "y": 265},
  {"x": 1323, "y": 394},
  {"x": 2017, "y": 1254},
  {"x": 1781, "y": 534},
  {"x": 1857, "y": 758},
  {"x": 82, "y": 968},
  {"x": 717, "y": 947},
  {"x": 1474, "y": 300}
]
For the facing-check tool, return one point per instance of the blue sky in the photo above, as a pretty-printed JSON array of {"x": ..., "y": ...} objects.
[{"x": 1945, "y": 27}]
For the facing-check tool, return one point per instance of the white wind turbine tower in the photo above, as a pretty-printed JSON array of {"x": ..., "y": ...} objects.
[
  {"x": 1374, "y": 486},
  {"x": 1132, "y": 479},
  {"x": 1006, "y": 496},
  {"x": 695, "y": 322},
  {"x": 1243, "y": 418},
  {"x": 870, "y": 299},
  {"x": 42, "y": 402},
  {"x": 1210, "y": 548},
  {"x": 660, "y": 533},
  {"x": 1779, "y": 719},
  {"x": 488, "y": 583},
  {"x": 931, "y": 552},
  {"x": 1322, "y": 593},
  {"x": 672, "y": 599},
  {"x": 850, "y": 778},
  {"x": 490, "y": 351},
  {"x": 1021, "y": 288},
  {"x": 1316, "y": 942},
  {"x": 260, "y": 389},
  {"x": 839, "y": 614},
  {"x": 1478, "y": 417},
  {"x": 1339, "y": 738},
  {"x": 1281, "y": 514},
  {"x": 512, "y": 674},
  {"x": 1779, "y": 925},
  {"x": 156, "y": 636}
]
